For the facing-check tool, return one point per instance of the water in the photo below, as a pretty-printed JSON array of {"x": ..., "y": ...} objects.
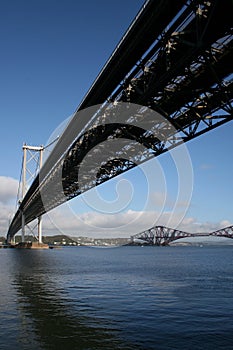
[{"x": 124, "y": 298}]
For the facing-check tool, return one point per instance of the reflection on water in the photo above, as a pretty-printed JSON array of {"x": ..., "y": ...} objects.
[
  {"x": 128, "y": 298},
  {"x": 47, "y": 311}
]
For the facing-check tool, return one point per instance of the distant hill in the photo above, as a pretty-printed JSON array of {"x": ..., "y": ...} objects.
[
  {"x": 88, "y": 241},
  {"x": 57, "y": 239},
  {"x": 74, "y": 241}
]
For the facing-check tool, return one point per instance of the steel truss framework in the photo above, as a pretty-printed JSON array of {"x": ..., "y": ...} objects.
[
  {"x": 161, "y": 235},
  {"x": 175, "y": 59}
]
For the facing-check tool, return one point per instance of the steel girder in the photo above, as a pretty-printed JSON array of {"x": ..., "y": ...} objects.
[{"x": 161, "y": 235}]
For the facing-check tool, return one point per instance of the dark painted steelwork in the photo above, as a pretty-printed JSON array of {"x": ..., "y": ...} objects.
[
  {"x": 176, "y": 59},
  {"x": 161, "y": 235}
]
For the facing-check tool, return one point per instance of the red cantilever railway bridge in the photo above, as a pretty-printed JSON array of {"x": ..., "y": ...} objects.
[
  {"x": 175, "y": 59},
  {"x": 161, "y": 235}
]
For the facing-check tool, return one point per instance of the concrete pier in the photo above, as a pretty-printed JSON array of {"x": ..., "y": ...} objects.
[{"x": 29, "y": 245}]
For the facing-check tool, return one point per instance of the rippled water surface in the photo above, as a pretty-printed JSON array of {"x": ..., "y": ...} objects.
[{"x": 118, "y": 298}]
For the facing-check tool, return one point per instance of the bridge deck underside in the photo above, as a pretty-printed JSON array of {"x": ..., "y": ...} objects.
[{"x": 176, "y": 60}]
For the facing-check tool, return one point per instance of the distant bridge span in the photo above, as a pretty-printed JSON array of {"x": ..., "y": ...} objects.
[
  {"x": 175, "y": 59},
  {"x": 161, "y": 235}
]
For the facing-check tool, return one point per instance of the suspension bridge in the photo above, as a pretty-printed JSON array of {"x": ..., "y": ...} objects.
[
  {"x": 168, "y": 81},
  {"x": 161, "y": 235}
]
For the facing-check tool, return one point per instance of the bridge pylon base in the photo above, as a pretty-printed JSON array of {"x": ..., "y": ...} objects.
[{"x": 31, "y": 245}]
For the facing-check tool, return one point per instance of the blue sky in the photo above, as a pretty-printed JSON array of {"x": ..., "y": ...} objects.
[{"x": 51, "y": 51}]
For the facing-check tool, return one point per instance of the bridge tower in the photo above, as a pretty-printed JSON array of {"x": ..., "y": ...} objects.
[{"x": 32, "y": 163}]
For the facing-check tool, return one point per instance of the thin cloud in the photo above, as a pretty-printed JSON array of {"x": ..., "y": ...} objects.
[
  {"x": 8, "y": 189},
  {"x": 125, "y": 224},
  {"x": 6, "y": 214},
  {"x": 206, "y": 166},
  {"x": 8, "y": 194},
  {"x": 94, "y": 224},
  {"x": 161, "y": 200}
]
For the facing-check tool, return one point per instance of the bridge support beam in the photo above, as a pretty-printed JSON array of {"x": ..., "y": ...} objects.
[
  {"x": 23, "y": 228},
  {"x": 39, "y": 224},
  {"x": 27, "y": 170}
]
